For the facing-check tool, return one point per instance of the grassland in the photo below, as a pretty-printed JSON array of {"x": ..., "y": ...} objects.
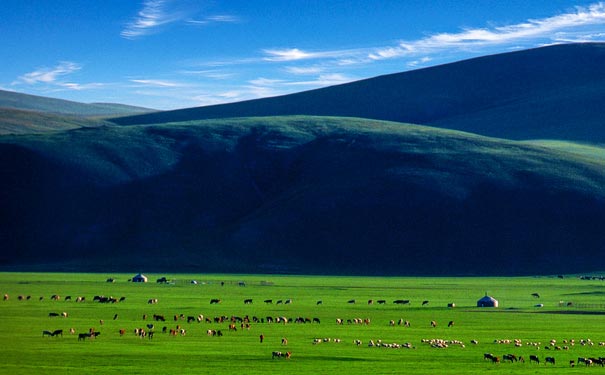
[{"x": 25, "y": 351}]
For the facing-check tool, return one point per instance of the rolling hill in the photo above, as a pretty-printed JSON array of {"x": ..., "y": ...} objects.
[
  {"x": 554, "y": 92},
  {"x": 15, "y": 121},
  {"x": 23, "y": 113},
  {"x": 26, "y": 102},
  {"x": 299, "y": 195}
]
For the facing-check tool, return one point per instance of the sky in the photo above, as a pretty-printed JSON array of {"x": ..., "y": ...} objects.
[{"x": 169, "y": 54}]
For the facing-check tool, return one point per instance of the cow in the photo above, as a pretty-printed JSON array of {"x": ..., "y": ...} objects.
[
  {"x": 351, "y": 301},
  {"x": 284, "y": 341},
  {"x": 535, "y": 295},
  {"x": 248, "y": 301},
  {"x": 285, "y": 355},
  {"x": 381, "y": 301},
  {"x": 534, "y": 358},
  {"x": 47, "y": 333},
  {"x": 157, "y": 318},
  {"x": 319, "y": 302},
  {"x": 6, "y": 297},
  {"x": 451, "y": 323},
  {"x": 152, "y": 301},
  {"x": 402, "y": 302},
  {"x": 53, "y": 314},
  {"x": 425, "y": 302},
  {"x": 268, "y": 301},
  {"x": 215, "y": 301},
  {"x": 549, "y": 360},
  {"x": 83, "y": 336},
  {"x": 451, "y": 305},
  {"x": 433, "y": 323},
  {"x": 58, "y": 332},
  {"x": 370, "y": 301},
  {"x": 316, "y": 320}
]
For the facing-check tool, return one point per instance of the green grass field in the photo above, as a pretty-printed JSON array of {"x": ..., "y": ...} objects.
[{"x": 25, "y": 351}]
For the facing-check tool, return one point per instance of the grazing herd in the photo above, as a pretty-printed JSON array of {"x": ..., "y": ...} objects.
[{"x": 245, "y": 322}]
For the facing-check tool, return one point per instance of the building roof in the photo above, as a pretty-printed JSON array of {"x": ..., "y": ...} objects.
[{"x": 488, "y": 299}]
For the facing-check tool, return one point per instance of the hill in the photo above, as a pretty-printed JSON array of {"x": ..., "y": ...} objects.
[
  {"x": 25, "y": 102},
  {"x": 14, "y": 121},
  {"x": 299, "y": 195},
  {"x": 554, "y": 92}
]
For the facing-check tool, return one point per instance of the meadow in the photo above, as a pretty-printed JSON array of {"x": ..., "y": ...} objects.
[{"x": 572, "y": 310}]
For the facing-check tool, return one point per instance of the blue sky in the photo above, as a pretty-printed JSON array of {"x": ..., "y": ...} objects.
[{"x": 169, "y": 54}]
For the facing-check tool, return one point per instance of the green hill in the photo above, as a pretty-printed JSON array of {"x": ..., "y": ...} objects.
[
  {"x": 25, "y": 102},
  {"x": 22, "y": 113},
  {"x": 14, "y": 121},
  {"x": 554, "y": 92},
  {"x": 299, "y": 195}
]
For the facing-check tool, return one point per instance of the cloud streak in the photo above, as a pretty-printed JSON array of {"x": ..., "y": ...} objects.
[
  {"x": 153, "y": 15},
  {"x": 534, "y": 30},
  {"x": 49, "y": 75}
]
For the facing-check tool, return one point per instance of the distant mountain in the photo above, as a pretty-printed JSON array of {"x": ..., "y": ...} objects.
[
  {"x": 555, "y": 92},
  {"x": 14, "y": 121},
  {"x": 25, "y": 102},
  {"x": 299, "y": 195}
]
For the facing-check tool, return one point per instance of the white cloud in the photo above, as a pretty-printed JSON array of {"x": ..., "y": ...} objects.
[
  {"x": 49, "y": 75},
  {"x": 148, "y": 19},
  {"x": 532, "y": 30},
  {"x": 222, "y": 18},
  {"x": 265, "y": 82},
  {"x": 292, "y": 54},
  {"x": 421, "y": 61},
  {"x": 157, "y": 83},
  {"x": 303, "y": 70},
  {"x": 324, "y": 80},
  {"x": 209, "y": 73}
]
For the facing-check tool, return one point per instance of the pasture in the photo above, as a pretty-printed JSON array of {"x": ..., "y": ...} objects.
[{"x": 572, "y": 310}]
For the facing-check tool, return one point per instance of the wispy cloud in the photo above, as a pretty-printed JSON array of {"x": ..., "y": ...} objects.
[
  {"x": 295, "y": 54},
  {"x": 304, "y": 70},
  {"x": 49, "y": 75},
  {"x": 153, "y": 15},
  {"x": 571, "y": 26},
  {"x": 535, "y": 30},
  {"x": 157, "y": 13},
  {"x": 209, "y": 73},
  {"x": 157, "y": 83},
  {"x": 220, "y": 18}
]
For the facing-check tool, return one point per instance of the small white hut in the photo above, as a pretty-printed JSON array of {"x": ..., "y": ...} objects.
[
  {"x": 140, "y": 278},
  {"x": 487, "y": 301}
]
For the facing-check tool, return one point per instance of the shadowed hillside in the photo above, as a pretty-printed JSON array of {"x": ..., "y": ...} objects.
[
  {"x": 299, "y": 194},
  {"x": 554, "y": 92}
]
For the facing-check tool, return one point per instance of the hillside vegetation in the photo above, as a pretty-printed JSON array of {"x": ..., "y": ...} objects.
[
  {"x": 15, "y": 100},
  {"x": 554, "y": 92},
  {"x": 14, "y": 121},
  {"x": 299, "y": 195},
  {"x": 22, "y": 113}
]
